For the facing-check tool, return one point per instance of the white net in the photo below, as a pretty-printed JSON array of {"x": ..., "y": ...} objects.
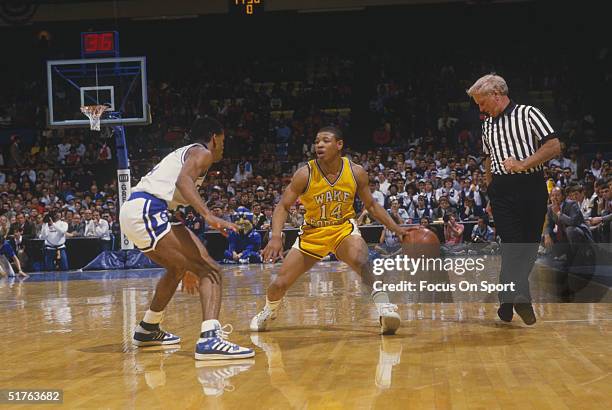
[{"x": 94, "y": 112}]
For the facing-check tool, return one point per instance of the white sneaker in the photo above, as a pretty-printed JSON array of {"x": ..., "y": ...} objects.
[
  {"x": 389, "y": 318},
  {"x": 260, "y": 320}
]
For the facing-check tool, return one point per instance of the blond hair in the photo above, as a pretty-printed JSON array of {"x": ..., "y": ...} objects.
[{"x": 489, "y": 84}]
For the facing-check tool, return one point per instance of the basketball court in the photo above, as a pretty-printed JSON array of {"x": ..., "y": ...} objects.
[{"x": 73, "y": 331}]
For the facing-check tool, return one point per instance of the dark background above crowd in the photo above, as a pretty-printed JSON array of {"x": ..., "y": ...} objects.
[{"x": 391, "y": 77}]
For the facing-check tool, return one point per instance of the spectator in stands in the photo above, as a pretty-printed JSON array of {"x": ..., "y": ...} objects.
[
  {"x": 115, "y": 229},
  {"x": 443, "y": 209},
  {"x": 15, "y": 159},
  {"x": 599, "y": 218},
  {"x": 24, "y": 226},
  {"x": 89, "y": 223},
  {"x": 566, "y": 233},
  {"x": 422, "y": 210},
  {"x": 19, "y": 247},
  {"x": 400, "y": 214},
  {"x": 101, "y": 231},
  {"x": 378, "y": 196},
  {"x": 241, "y": 174},
  {"x": 598, "y": 201},
  {"x": 268, "y": 211},
  {"x": 7, "y": 254},
  {"x": 258, "y": 216},
  {"x": 38, "y": 224},
  {"x": 5, "y": 226},
  {"x": 76, "y": 227},
  {"x": 453, "y": 231},
  {"x": 195, "y": 223},
  {"x": 470, "y": 212},
  {"x": 389, "y": 242},
  {"x": 54, "y": 234},
  {"x": 294, "y": 219}
]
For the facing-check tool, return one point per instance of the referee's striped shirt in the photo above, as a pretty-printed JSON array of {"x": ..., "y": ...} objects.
[{"x": 517, "y": 132}]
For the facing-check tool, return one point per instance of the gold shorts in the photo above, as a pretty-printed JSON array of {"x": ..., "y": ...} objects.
[{"x": 319, "y": 242}]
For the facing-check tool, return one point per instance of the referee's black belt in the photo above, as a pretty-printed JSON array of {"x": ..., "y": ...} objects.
[{"x": 522, "y": 179}]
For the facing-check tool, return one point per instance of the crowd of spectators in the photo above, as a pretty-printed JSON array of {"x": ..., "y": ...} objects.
[{"x": 424, "y": 158}]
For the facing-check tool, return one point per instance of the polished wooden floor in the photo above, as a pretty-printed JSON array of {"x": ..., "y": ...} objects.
[{"x": 323, "y": 352}]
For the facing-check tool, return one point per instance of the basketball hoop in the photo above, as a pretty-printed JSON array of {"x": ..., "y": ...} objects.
[{"x": 94, "y": 112}]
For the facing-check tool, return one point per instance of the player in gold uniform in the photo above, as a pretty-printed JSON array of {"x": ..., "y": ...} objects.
[{"x": 327, "y": 187}]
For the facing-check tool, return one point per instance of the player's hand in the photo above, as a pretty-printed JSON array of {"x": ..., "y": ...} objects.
[
  {"x": 512, "y": 164},
  {"x": 190, "y": 283},
  {"x": 221, "y": 225},
  {"x": 273, "y": 250}
]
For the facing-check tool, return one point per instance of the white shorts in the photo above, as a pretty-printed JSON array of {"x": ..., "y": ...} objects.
[
  {"x": 144, "y": 219},
  {"x": 5, "y": 266}
]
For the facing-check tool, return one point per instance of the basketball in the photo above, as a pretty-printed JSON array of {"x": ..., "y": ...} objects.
[{"x": 421, "y": 242}]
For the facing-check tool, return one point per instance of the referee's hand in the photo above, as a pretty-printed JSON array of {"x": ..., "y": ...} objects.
[{"x": 512, "y": 164}]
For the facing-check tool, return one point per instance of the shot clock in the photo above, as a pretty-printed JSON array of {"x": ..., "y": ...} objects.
[{"x": 100, "y": 44}]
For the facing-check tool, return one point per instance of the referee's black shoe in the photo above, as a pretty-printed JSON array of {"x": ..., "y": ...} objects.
[
  {"x": 525, "y": 311},
  {"x": 505, "y": 312}
]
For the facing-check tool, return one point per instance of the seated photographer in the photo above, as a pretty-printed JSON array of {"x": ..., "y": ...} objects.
[
  {"x": 244, "y": 245},
  {"x": 453, "y": 230},
  {"x": 566, "y": 231},
  {"x": 482, "y": 232},
  {"x": 7, "y": 254},
  {"x": 54, "y": 233}
]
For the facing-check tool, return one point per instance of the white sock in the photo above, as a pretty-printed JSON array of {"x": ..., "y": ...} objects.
[
  {"x": 210, "y": 324},
  {"x": 153, "y": 317},
  {"x": 273, "y": 305}
]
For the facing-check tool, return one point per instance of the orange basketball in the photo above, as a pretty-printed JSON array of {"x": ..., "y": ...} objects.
[{"x": 421, "y": 242}]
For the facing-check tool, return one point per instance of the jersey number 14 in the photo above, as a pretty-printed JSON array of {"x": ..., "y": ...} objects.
[{"x": 336, "y": 212}]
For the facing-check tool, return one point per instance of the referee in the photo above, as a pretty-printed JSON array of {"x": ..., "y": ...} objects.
[{"x": 517, "y": 140}]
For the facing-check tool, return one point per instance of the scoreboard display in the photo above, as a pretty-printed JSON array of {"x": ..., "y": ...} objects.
[{"x": 246, "y": 7}]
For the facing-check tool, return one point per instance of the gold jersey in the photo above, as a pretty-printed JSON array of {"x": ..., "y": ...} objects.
[{"x": 329, "y": 204}]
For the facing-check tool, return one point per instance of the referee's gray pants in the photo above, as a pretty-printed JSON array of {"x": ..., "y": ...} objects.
[{"x": 518, "y": 203}]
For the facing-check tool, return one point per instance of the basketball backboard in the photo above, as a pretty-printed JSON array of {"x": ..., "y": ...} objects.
[{"x": 120, "y": 83}]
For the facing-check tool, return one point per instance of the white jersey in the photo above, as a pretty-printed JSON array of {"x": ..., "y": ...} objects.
[{"x": 161, "y": 181}]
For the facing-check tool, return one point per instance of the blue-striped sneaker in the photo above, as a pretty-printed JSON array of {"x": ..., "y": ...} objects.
[
  {"x": 153, "y": 337},
  {"x": 213, "y": 343}
]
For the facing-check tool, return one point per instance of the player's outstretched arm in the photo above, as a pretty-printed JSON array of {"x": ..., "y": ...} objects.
[
  {"x": 374, "y": 209},
  {"x": 296, "y": 187},
  {"x": 197, "y": 162}
]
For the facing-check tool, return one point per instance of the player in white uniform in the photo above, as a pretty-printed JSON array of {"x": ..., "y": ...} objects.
[{"x": 144, "y": 219}]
